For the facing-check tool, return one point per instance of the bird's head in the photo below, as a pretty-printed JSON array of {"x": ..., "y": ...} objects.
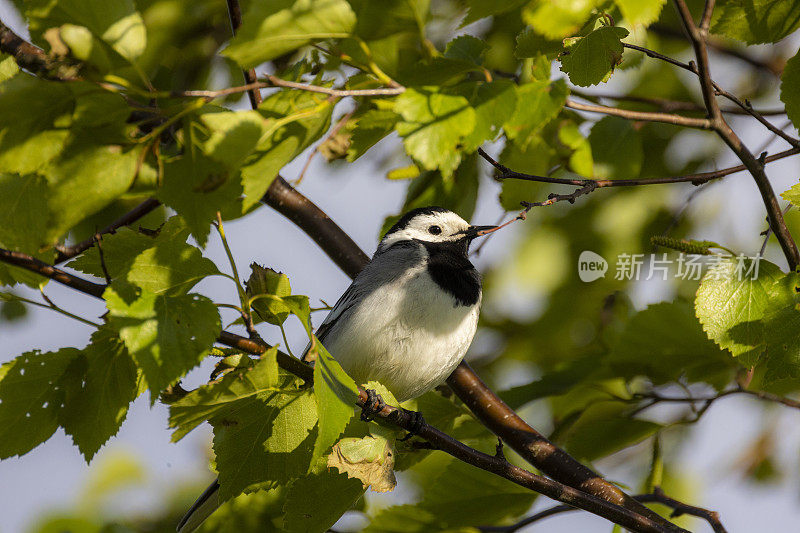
[{"x": 432, "y": 224}]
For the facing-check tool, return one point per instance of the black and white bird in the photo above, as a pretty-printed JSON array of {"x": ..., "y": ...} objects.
[{"x": 407, "y": 319}]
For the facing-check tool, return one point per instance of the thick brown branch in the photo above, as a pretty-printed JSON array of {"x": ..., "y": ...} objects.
[
  {"x": 697, "y": 36},
  {"x": 66, "y": 253},
  {"x": 669, "y": 118},
  {"x": 49, "y": 271},
  {"x": 30, "y": 57},
  {"x": 657, "y": 496}
]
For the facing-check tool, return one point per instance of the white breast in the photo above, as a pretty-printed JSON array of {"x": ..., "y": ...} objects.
[{"x": 408, "y": 334}]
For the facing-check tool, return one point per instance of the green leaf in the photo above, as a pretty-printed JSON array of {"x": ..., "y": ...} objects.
[
  {"x": 432, "y": 127},
  {"x": 466, "y": 48},
  {"x": 494, "y": 104},
  {"x": 756, "y": 21},
  {"x": 556, "y": 19},
  {"x": 335, "y": 393},
  {"x": 166, "y": 335},
  {"x": 478, "y": 9},
  {"x": 593, "y": 58},
  {"x": 536, "y": 158},
  {"x": 790, "y": 96},
  {"x": 370, "y": 128},
  {"x": 106, "y": 170},
  {"x": 463, "y": 495},
  {"x": 8, "y": 67},
  {"x": 233, "y": 135},
  {"x": 197, "y": 187},
  {"x": 554, "y": 383},
  {"x": 782, "y": 329},
  {"x": 164, "y": 263},
  {"x": 731, "y": 305},
  {"x": 617, "y": 150},
  {"x": 33, "y": 114},
  {"x": 117, "y": 24},
  {"x": 664, "y": 342},
  {"x": 217, "y": 398},
  {"x": 403, "y": 519},
  {"x": 264, "y": 440},
  {"x": 580, "y": 158},
  {"x": 266, "y": 288},
  {"x": 643, "y": 12},
  {"x": 316, "y": 501},
  {"x": 605, "y": 428},
  {"x": 22, "y": 226},
  {"x": 369, "y": 459},
  {"x": 32, "y": 393},
  {"x": 537, "y": 104},
  {"x": 271, "y": 29},
  {"x": 296, "y": 119},
  {"x": 531, "y": 44},
  {"x": 792, "y": 194},
  {"x": 95, "y": 412}
]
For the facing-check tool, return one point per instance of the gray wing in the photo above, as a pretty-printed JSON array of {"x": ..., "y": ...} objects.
[{"x": 346, "y": 301}]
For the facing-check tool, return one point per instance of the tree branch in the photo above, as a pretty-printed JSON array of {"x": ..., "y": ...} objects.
[
  {"x": 235, "y": 16},
  {"x": 697, "y": 36},
  {"x": 49, "y": 271},
  {"x": 669, "y": 118},
  {"x": 32, "y": 58},
  {"x": 66, "y": 253},
  {"x": 695, "y": 179},
  {"x": 273, "y": 81},
  {"x": 670, "y": 106},
  {"x": 657, "y": 496}
]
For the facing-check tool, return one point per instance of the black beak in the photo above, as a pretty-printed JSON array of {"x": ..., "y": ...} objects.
[{"x": 476, "y": 231}]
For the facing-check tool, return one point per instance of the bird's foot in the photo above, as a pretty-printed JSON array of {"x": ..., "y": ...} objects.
[
  {"x": 417, "y": 424},
  {"x": 372, "y": 406}
]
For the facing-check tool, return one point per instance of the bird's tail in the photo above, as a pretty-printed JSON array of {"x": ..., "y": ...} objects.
[{"x": 207, "y": 503}]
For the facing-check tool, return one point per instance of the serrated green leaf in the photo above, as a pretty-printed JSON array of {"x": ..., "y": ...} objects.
[
  {"x": 494, "y": 103},
  {"x": 272, "y": 29},
  {"x": 120, "y": 249},
  {"x": 117, "y": 24},
  {"x": 756, "y": 21},
  {"x": 32, "y": 393},
  {"x": 377, "y": 20},
  {"x": 369, "y": 459},
  {"x": 466, "y": 48},
  {"x": 432, "y": 127},
  {"x": 666, "y": 341},
  {"x": 214, "y": 399},
  {"x": 370, "y": 128},
  {"x": 264, "y": 440},
  {"x": 537, "y": 103},
  {"x": 790, "y": 96},
  {"x": 32, "y": 115},
  {"x": 617, "y": 151},
  {"x": 166, "y": 335},
  {"x": 95, "y": 412},
  {"x": 557, "y": 19},
  {"x": 197, "y": 187},
  {"x": 593, "y": 58},
  {"x": 792, "y": 194},
  {"x": 642, "y": 12},
  {"x": 403, "y": 519},
  {"x": 605, "y": 428},
  {"x": 731, "y": 305},
  {"x": 335, "y": 393},
  {"x": 106, "y": 170},
  {"x": 332, "y": 495}
]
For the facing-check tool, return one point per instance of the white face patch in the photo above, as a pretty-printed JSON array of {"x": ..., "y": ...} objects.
[{"x": 431, "y": 227}]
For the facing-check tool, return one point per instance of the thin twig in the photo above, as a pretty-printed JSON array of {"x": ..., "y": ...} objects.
[
  {"x": 68, "y": 252},
  {"x": 695, "y": 179},
  {"x": 697, "y": 36},
  {"x": 669, "y": 118},
  {"x": 235, "y": 16},
  {"x": 336, "y": 129},
  {"x": 667, "y": 105}
]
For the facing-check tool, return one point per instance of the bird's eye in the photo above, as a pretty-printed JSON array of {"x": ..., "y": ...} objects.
[{"x": 434, "y": 230}]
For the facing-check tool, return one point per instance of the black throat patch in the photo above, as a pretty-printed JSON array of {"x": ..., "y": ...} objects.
[{"x": 450, "y": 268}]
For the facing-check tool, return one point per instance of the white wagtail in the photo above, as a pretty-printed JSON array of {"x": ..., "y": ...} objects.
[{"x": 406, "y": 320}]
